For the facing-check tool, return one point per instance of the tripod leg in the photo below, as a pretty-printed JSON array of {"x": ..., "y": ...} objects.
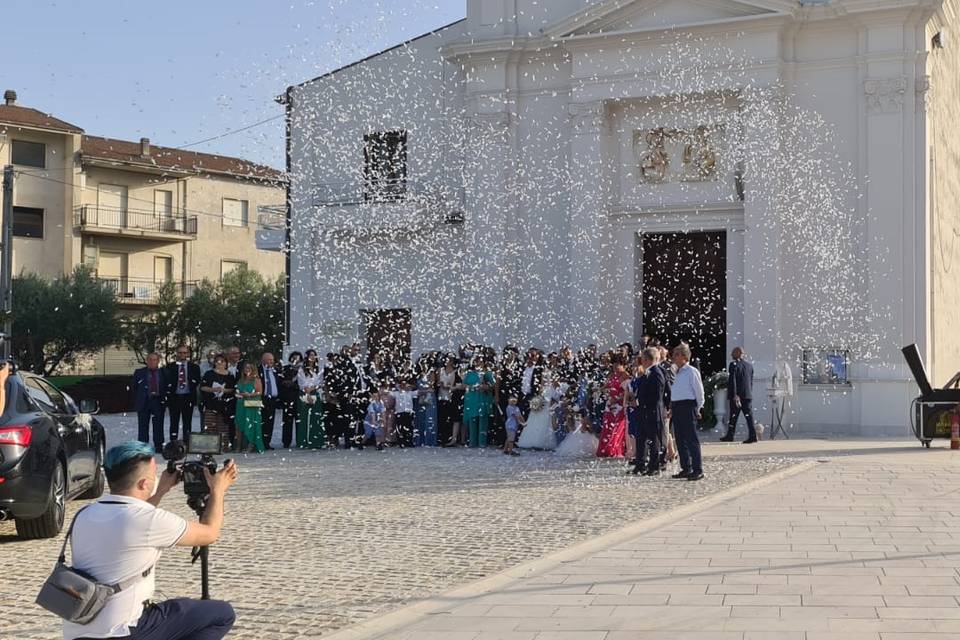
[{"x": 204, "y": 574}]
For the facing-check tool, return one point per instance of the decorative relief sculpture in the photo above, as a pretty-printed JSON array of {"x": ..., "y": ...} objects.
[
  {"x": 885, "y": 95},
  {"x": 677, "y": 155}
]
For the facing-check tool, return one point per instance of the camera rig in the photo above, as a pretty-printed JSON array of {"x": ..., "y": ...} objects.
[{"x": 206, "y": 446}]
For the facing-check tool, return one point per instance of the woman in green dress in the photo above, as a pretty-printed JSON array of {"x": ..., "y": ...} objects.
[
  {"x": 478, "y": 402},
  {"x": 249, "y": 392},
  {"x": 310, "y": 429}
]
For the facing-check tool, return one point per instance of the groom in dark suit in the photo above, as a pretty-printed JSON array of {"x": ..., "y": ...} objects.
[
  {"x": 183, "y": 381},
  {"x": 740, "y": 396}
]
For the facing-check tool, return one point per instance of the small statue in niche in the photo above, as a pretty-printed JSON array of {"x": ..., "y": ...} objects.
[
  {"x": 699, "y": 158},
  {"x": 654, "y": 160}
]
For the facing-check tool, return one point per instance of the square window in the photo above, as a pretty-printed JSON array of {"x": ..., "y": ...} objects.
[
  {"x": 235, "y": 212},
  {"x": 385, "y": 166},
  {"x": 229, "y": 266},
  {"x": 826, "y": 366},
  {"x": 27, "y": 222},
  {"x": 29, "y": 154}
]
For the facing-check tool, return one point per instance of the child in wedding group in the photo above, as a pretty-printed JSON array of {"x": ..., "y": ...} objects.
[
  {"x": 373, "y": 423},
  {"x": 514, "y": 419},
  {"x": 404, "y": 396}
]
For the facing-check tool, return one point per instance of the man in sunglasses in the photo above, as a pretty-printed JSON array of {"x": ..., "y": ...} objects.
[{"x": 124, "y": 534}]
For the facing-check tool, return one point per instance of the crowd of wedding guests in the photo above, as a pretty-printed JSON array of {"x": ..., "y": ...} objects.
[{"x": 639, "y": 403}]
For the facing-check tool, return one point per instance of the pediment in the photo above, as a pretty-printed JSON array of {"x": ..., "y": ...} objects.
[{"x": 616, "y": 16}]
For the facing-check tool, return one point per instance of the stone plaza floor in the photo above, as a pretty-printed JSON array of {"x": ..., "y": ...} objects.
[
  {"x": 319, "y": 541},
  {"x": 861, "y": 541}
]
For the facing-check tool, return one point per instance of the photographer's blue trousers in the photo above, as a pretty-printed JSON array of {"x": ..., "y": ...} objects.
[{"x": 184, "y": 619}]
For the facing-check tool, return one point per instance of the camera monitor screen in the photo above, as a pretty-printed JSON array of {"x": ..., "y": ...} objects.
[{"x": 204, "y": 443}]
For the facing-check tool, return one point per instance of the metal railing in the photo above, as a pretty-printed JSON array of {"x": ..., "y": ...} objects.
[
  {"x": 332, "y": 194},
  {"x": 137, "y": 291},
  {"x": 101, "y": 217},
  {"x": 272, "y": 217}
]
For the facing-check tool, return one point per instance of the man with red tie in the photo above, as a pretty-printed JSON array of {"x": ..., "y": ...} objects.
[
  {"x": 149, "y": 389},
  {"x": 183, "y": 380}
]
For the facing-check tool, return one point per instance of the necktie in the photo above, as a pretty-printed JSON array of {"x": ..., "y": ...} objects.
[
  {"x": 268, "y": 380},
  {"x": 182, "y": 379},
  {"x": 153, "y": 382}
]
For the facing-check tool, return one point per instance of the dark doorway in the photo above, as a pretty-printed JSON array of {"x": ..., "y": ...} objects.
[
  {"x": 388, "y": 332},
  {"x": 685, "y": 293}
]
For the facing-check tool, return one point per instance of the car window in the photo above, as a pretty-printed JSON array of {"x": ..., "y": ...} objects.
[
  {"x": 38, "y": 394},
  {"x": 59, "y": 401}
]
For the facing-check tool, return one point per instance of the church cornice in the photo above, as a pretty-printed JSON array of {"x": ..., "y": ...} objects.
[
  {"x": 598, "y": 14},
  {"x": 496, "y": 49},
  {"x": 659, "y": 33}
]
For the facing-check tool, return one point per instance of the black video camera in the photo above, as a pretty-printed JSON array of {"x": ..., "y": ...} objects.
[{"x": 206, "y": 445}]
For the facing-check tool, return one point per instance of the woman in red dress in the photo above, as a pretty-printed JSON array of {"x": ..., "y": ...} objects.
[{"x": 613, "y": 436}]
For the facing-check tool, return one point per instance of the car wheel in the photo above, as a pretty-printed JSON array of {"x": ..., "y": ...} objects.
[
  {"x": 99, "y": 481},
  {"x": 50, "y": 523}
]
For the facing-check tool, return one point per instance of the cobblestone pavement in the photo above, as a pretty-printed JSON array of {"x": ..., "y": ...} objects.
[{"x": 315, "y": 541}]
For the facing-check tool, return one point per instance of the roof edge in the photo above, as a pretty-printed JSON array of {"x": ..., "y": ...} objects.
[{"x": 377, "y": 54}]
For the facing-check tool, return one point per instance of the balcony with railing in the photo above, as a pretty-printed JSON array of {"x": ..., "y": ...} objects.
[
  {"x": 271, "y": 232},
  {"x": 115, "y": 221},
  {"x": 133, "y": 291},
  {"x": 397, "y": 206}
]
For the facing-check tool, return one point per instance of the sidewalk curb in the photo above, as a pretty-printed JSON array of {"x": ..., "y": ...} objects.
[{"x": 394, "y": 621}]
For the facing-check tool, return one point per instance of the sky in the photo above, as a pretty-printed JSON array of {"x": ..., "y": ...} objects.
[{"x": 182, "y": 71}]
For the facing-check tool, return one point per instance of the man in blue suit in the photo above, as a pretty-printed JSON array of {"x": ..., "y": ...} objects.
[
  {"x": 149, "y": 388},
  {"x": 740, "y": 396}
]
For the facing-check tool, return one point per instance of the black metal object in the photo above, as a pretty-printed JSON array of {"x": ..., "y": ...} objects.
[{"x": 933, "y": 410}]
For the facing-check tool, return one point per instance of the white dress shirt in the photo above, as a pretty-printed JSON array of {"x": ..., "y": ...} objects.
[
  {"x": 687, "y": 386},
  {"x": 527, "y": 386},
  {"x": 270, "y": 383},
  {"x": 404, "y": 401}
]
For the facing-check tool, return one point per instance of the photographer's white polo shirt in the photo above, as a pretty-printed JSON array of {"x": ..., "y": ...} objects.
[{"x": 113, "y": 542}]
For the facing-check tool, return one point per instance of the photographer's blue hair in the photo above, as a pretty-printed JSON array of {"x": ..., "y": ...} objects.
[{"x": 127, "y": 451}]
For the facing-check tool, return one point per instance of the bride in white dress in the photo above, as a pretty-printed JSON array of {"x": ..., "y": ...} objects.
[
  {"x": 579, "y": 443},
  {"x": 538, "y": 432}
]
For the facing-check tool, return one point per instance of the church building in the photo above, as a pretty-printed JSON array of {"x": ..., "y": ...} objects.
[{"x": 780, "y": 175}]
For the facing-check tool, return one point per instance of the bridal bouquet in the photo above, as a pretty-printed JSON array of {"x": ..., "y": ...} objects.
[
  {"x": 309, "y": 399},
  {"x": 536, "y": 403}
]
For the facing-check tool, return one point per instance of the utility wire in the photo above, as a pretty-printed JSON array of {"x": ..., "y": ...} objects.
[
  {"x": 195, "y": 212},
  {"x": 231, "y": 132}
]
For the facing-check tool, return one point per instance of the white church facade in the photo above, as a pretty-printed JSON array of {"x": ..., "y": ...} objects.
[{"x": 772, "y": 174}]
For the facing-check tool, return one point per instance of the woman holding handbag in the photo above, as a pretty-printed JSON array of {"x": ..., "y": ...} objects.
[{"x": 249, "y": 403}]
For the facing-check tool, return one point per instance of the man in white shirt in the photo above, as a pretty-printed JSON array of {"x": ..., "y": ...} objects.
[
  {"x": 686, "y": 400},
  {"x": 124, "y": 534}
]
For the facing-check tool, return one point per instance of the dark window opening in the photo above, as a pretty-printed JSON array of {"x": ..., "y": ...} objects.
[
  {"x": 27, "y": 222},
  {"x": 384, "y": 166},
  {"x": 29, "y": 154}
]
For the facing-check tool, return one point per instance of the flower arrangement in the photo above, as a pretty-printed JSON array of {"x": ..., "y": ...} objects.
[{"x": 719, "y": 380}]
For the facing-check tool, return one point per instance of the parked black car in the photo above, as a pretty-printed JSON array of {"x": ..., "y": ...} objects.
[{"x": 51, "y": 451}]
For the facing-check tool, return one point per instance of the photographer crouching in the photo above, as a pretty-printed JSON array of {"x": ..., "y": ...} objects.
[{"x": 118, "y": 541}]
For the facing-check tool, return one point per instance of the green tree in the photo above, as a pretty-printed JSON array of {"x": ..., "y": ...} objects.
[
  {"x": 253, "y": 310},
  {"x": 58, "y": 322},
  {"x": 155, "y": 330},
  {"x": 243, "y": 309}
]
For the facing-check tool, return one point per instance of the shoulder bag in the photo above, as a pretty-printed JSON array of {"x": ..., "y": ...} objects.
[{"x": 75, "y": 595}]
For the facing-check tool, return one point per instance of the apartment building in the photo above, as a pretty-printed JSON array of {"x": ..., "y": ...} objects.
[{"x": 140, "y": 215}]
